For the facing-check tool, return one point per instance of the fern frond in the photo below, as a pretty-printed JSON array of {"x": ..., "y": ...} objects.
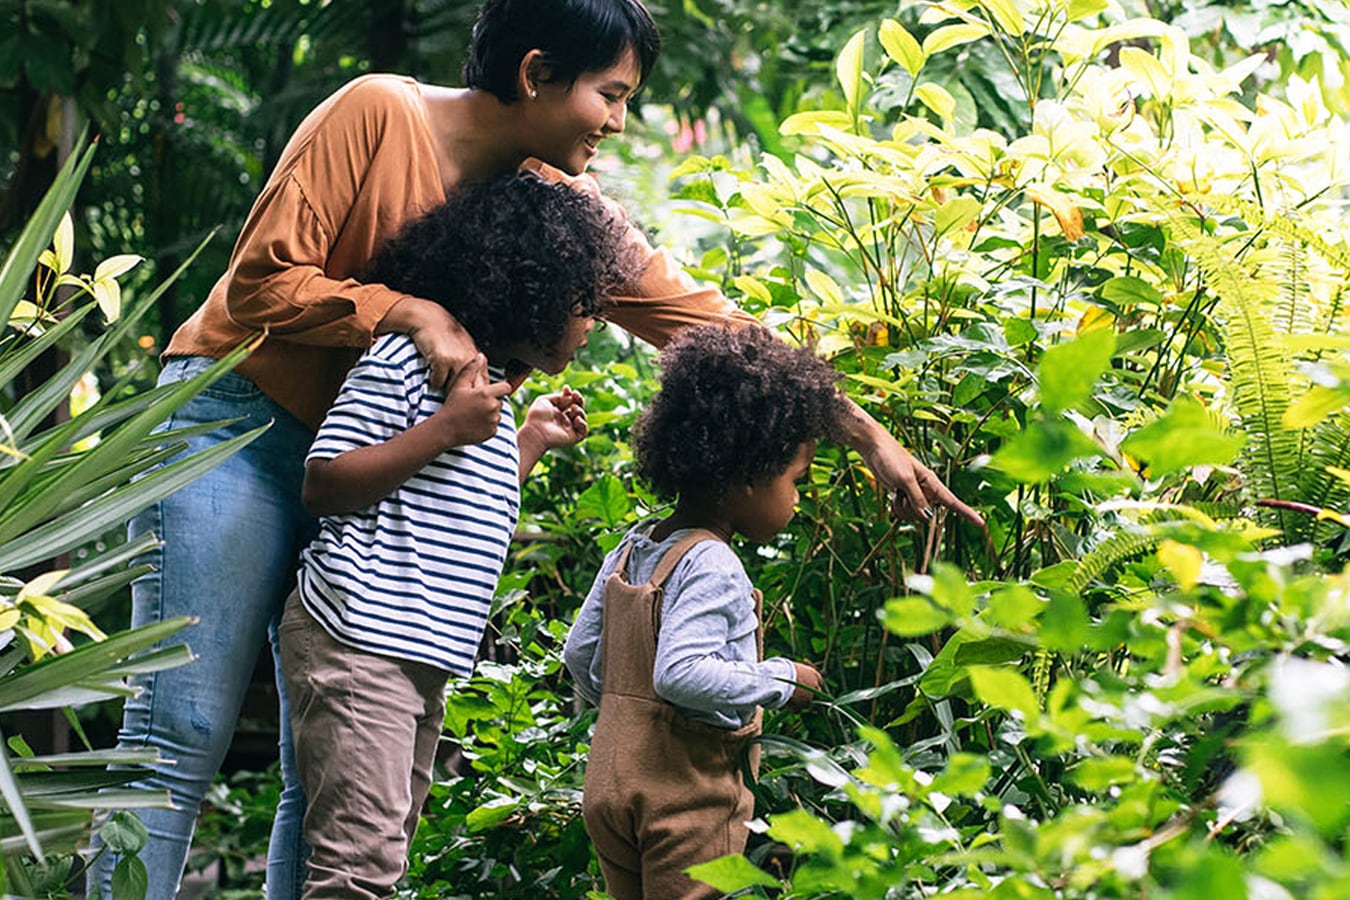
[
  {"x": 1284, "y": 224},
  {"x": 1328, "y": 445},
  {"x": 1109, "y": 553},
  {"x": 1259, "y": 369}
]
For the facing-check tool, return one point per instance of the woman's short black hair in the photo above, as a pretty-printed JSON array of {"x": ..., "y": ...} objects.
[
  {"x": 511, "y": 259},
  {"x": 575, "y": 36},
  {"x": 735, "y": 405}
]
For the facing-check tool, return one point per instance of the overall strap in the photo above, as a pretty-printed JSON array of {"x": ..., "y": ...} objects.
[
  {"x": 672, "y": 557},
  {"x": 621, "y": 567}
]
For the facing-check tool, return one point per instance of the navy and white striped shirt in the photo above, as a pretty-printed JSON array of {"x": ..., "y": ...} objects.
[{"x": 412, "y": 577}]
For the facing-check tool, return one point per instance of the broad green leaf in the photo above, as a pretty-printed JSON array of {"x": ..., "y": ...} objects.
[
  {"x": 731, "y": 873},
  {"x": 848, "y": 68},
  {"x": 490, "y": 814},
  {"x": 1082, "y": 9},
  {"x": 966, "y": 774},
  {"x": 1018, "y": 331},
  {"x": 1005, "y": 689},
  {"x": 938, "y": 99},
  {"x": 805, "y": 833},
  {"x": 1068, "y": 371},
  {"x": 605, "y": 500},
  {"x": 1319, "y": 402},
  {"x": 1042, "y": 451},
  {"x": 949, "y": 36},
  {"x": 1186, "y": 435},
  {"x": 130, "y": 880},
  {"x": 901, "y": 46},
  {"x": 1099, "y": 773},
  {"x": 1184, "y": 561},
  {"x": 1127, "y": 291},
  {"x": 1013, "y": 606},
  {"x": 913, "y": 616}
]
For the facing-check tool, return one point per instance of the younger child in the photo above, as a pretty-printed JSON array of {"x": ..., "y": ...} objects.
[
  {"x": 418, "y": 493},
  {"x": 668, "y": 642}
]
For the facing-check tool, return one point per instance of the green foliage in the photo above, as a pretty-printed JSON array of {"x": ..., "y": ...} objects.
[{"x": 62, "y": 485}]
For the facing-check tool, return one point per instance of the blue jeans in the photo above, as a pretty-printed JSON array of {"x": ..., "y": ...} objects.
[{"x": 231, "y": 540}]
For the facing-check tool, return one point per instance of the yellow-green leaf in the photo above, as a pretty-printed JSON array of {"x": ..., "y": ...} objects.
[
  {"x": 824, "y": 287},
  {"x": 753, "y": 287},
  {"x": 810, "y": 122},
  {"x": 848, "y": 68},
  {"x": 41, "y": 585},
  {"x": 63, "y": 245},
  {"x": 109, "y": 296},
  {"x": 936, "y": 98},
  {"x": 117, "y": 266},
  {"x": 901, "y": 46},
  {"x": 1007, "y": 15},
  {"x": 1183, "y": 561},
  {"x": 949, "y": 36},
  {"x": 957, "y": 212}
]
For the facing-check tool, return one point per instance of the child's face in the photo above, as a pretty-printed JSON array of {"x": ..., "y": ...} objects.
[
  {"x": 556, "y": 358},
  {"x": 763, "y": 508}
]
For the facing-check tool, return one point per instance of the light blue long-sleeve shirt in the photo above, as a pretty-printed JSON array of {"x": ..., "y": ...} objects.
[{"x": 706, "y": 654}]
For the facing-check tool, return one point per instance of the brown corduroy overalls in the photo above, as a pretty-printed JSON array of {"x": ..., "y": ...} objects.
[{"x": 662, "y": 793}]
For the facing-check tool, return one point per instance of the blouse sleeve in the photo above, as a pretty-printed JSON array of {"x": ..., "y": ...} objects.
[
  {"x": 662, "y": 298},
  {"x": 278, "y": 279}
]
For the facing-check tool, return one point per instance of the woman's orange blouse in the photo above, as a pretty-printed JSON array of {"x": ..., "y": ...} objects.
[{"x": 358, "y": 167}]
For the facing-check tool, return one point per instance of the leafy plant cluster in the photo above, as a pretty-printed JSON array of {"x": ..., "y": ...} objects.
[{"x": 1118, "y": 331}]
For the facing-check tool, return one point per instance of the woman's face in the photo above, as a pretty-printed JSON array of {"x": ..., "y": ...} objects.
[{"x": 567, "y": 122}]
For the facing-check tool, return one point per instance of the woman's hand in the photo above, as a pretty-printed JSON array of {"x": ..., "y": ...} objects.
[
  {"x": 917, "y": 489},
  {"x": 441, "y": 340}
]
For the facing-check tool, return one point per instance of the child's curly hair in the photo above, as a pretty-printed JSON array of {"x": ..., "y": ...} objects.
[
  {"x": 734, "y": 407},
  {"x": 511, "y": 259}
]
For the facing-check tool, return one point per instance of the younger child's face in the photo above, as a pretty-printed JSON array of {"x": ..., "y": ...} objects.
[
  {"x": 763, "y": 508},
  {"x": 556, "y": 358}
]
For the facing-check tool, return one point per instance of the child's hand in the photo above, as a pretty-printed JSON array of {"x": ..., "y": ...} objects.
[
  {"x": 808, "y": 682},
  {"x": 473, "y": 405},
  {"x": 558, "y": 420}
]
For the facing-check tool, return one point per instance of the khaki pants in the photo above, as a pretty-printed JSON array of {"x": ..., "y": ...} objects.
[{"x": 366, "y": 729}]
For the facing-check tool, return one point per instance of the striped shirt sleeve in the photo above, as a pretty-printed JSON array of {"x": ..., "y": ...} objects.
[{"x": 378, "y": 400}]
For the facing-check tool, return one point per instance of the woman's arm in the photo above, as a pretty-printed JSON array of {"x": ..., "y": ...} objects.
[{"x": 365, "y": 475}]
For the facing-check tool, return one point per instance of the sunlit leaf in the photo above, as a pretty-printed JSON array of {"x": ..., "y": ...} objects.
[
  {"x": 901, "y": 46},
  {"x": 1068, "y": 371},
  {"x": 848, "y": 68},
  {"x": 949, "y": 36},
  {"x": 731, "y": 873},
  {"x": 1185, "y": 436}
]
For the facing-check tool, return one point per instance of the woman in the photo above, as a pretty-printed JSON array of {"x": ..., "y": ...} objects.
[{"x": 547, "y": 81}]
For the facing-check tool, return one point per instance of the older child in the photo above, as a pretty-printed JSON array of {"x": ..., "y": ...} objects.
[
  {"x": 418, "y": 493},
  {"x": 668, "y": 642}
]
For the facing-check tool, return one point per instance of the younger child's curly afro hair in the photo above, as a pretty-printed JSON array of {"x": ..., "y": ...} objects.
[
  {"x": 733, "y": 408},
  {"x": 511, "y": 259}
]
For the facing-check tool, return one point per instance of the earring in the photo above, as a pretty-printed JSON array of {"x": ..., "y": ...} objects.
[{"x": 534, "y": 94}]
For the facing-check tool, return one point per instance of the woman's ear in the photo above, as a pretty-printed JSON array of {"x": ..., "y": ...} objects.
[{"x": 531, "y": 74}]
